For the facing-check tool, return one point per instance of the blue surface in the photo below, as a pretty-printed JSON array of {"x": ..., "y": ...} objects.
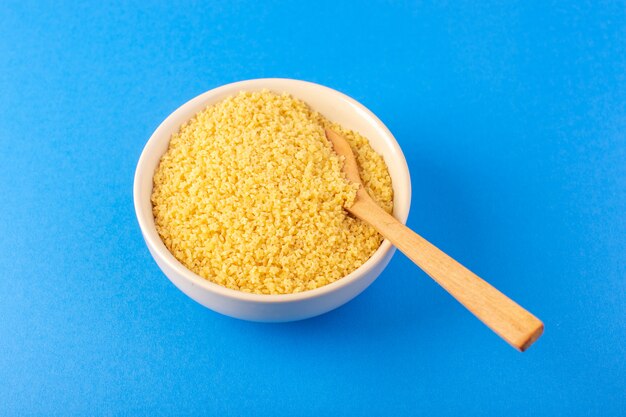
[{"x": 512, "y": 117}]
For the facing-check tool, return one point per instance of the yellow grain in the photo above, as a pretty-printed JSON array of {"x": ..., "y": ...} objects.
[{"x": 251, "y": 196}]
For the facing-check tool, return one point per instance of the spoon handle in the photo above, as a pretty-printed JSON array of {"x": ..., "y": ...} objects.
[{"x": 503, "y": 315}]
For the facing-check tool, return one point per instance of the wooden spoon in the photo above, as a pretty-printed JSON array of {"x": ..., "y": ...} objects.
[{"x": 505, "y": 317}]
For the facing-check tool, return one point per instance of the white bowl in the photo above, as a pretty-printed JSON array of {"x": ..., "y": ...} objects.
[{"x": 287, "y": 307}]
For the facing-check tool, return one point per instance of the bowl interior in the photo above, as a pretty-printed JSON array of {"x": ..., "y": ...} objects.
[{"x": 332, "y": 104}]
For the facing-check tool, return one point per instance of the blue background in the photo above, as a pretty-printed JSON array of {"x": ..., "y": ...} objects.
[{"x": 512, "y": 117}]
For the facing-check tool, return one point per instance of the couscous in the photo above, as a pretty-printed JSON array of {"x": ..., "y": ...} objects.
[{"x": 251, "y": 196}]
